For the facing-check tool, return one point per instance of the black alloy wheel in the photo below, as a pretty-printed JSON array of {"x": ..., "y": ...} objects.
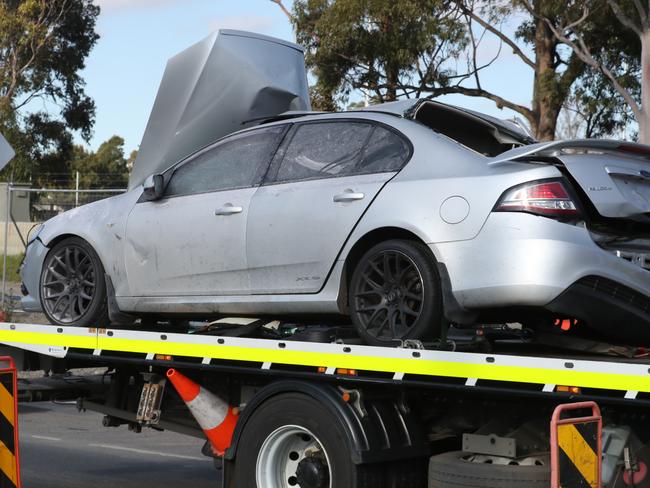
[
  {"x": 395, "y": 294},
  {"x": 72, "y": 286}
]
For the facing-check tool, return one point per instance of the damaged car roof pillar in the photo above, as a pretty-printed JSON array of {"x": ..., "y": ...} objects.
[{"x": 216, "y": 87}]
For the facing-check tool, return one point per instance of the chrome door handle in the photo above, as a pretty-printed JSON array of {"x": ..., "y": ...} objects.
[
  {"x": 229, "y": 209},
  {"x": 348, "y": 196}
]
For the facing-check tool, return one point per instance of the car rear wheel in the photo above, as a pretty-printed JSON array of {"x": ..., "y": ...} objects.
[
  {"x": 395, "y": 294},
  {"x": 72, "y": 286}
]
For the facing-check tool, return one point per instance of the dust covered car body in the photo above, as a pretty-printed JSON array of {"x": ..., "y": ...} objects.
[{"x": 404, "y": 216}]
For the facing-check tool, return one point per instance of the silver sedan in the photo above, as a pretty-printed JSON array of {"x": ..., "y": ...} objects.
[{"x": 404, "y": 216}]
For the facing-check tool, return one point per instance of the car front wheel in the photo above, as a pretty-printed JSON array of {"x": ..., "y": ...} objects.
[
  {"x": 72, "y": 286},
  {"x": 395, "y": 294}
]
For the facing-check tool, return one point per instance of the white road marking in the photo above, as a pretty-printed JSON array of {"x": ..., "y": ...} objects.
[
  {"x": 45, "y": 438},
  {"x": 144, "y": 451}
]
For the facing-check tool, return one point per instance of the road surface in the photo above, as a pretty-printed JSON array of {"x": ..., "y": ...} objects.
[{"x": 61, "y": 448}]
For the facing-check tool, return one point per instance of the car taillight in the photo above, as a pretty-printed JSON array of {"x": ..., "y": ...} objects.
[{"x": 549, "y": 198}]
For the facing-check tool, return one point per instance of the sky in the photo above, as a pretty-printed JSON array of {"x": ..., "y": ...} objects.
[{"x": 137, "y": 37}]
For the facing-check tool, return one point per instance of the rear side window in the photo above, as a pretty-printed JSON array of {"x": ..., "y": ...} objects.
[
  {"x": 386, "y": 151},
  {"x": 330, "y": 149},
  {"x": 324, "y": 150},
  {"x": 237, "y": 162}
]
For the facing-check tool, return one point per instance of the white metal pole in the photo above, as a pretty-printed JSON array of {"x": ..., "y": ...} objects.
[
  {"x": 6, "y": 246},
  {"x": 76, "y": 193}
]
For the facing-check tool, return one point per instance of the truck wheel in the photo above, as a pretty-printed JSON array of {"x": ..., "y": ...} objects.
[
  {"x": 462, "y": 470},
  {"x": 72, "y": 286},
  {"x": 411, "y": 473},
  {"x": 395, "y": 294},
  {"x": 291, "y": 440}
]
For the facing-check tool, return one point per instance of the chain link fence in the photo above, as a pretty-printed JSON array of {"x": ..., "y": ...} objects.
[{"x": 22, "y": 207}]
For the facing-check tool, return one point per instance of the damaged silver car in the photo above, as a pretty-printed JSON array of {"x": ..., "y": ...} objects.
[{"x": 403, "y": 216}]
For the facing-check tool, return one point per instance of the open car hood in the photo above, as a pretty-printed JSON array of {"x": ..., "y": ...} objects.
[
  {"x": 222, "y": 84},
  {"x": 6, "y": 152}
]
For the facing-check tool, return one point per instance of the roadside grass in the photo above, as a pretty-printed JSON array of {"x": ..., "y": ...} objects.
[{"x": 13, "y": 266}]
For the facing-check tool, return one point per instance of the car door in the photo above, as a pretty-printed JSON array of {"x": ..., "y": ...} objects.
[
  {"x": 322, "y": 180},
  {"x": 193, "y": 240}
]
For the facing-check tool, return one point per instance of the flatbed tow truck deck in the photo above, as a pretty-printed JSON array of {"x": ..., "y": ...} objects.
[{"x": 376, "y": 394}]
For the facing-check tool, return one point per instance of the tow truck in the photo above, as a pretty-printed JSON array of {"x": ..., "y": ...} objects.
[{"x": 284, "y": 405}]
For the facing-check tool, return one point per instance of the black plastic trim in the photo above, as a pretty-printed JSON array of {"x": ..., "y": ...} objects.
[
  {"x": 385, "y": 433},
  {"x": 610, "y": 308}
]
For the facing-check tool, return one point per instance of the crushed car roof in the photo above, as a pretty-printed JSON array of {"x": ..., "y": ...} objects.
[
  {"x": 407, "y": 108},
  {"x": 215, "y": 87}
]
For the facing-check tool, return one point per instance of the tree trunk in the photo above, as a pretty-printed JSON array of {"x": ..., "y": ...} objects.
[
  {"x": 544, "y": 106},
  {"x": 392, "y": 78},
  {"x": 644, "y": 115}
]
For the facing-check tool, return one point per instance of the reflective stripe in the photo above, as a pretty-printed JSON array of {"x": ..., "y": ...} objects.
[
  {"x": 581, "y": 455},
  {"x": 86, "y": 341},
  {"x": 422, "y": 366},
  {"x": 7, "y": 404},
  {"x": 504, "y": 368},
  {"x": 8, "y": 464},
  {"x": 208, "y": 409}
]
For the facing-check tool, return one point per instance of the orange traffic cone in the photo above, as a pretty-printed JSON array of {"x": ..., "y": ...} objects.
[{"x": 216, "y": 417}]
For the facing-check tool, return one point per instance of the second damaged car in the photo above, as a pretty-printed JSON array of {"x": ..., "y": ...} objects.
[{"x": 404, "y": 216}]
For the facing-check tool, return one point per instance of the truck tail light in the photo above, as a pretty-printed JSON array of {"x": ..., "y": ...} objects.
[{"x": 549, "y": 198}]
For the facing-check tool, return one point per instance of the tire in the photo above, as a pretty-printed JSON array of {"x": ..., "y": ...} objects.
[
  {"x": 450, "y": 470},
  {"x": 298, "y": 411},
  {"x": 410, "y": 473},
  {"x": 395, "y": 294},
  {"x": 72, "y": 286}
]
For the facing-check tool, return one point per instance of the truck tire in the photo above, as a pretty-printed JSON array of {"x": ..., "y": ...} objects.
[
  {"x": 293, "y": 440},
  {"x": 409, "y": 473},
  {"x": 450, "y": 470}
]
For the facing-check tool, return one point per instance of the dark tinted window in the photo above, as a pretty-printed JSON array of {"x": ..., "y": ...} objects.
[
  {"x": 386, "y": 151},
  {"x": 324, "y": 150},
  {"x": 238, "y": 162}
]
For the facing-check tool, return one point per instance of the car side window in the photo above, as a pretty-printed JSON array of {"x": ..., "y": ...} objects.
[
  {"x": 320, "y": 150},
  {"x": 386, "y": 151},
  {"x": 238, "y": 162}
]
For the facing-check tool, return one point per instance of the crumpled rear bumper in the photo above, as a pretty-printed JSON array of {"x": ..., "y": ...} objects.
[
  {"x": 613, "y": 310},
  {"x": 30, "y": 273}
]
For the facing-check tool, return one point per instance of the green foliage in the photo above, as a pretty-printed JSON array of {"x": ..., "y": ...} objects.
[
  {"x": 388, "y": 49},
  {"x": 377, "y": 46},
  {"x": 43, "y": 46},
  {"x": 13, "y": 266},
  {"x": 106, "y": 168},
  {"x": 567, "y": 81},
  {"x": 603, "y": 110}
]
